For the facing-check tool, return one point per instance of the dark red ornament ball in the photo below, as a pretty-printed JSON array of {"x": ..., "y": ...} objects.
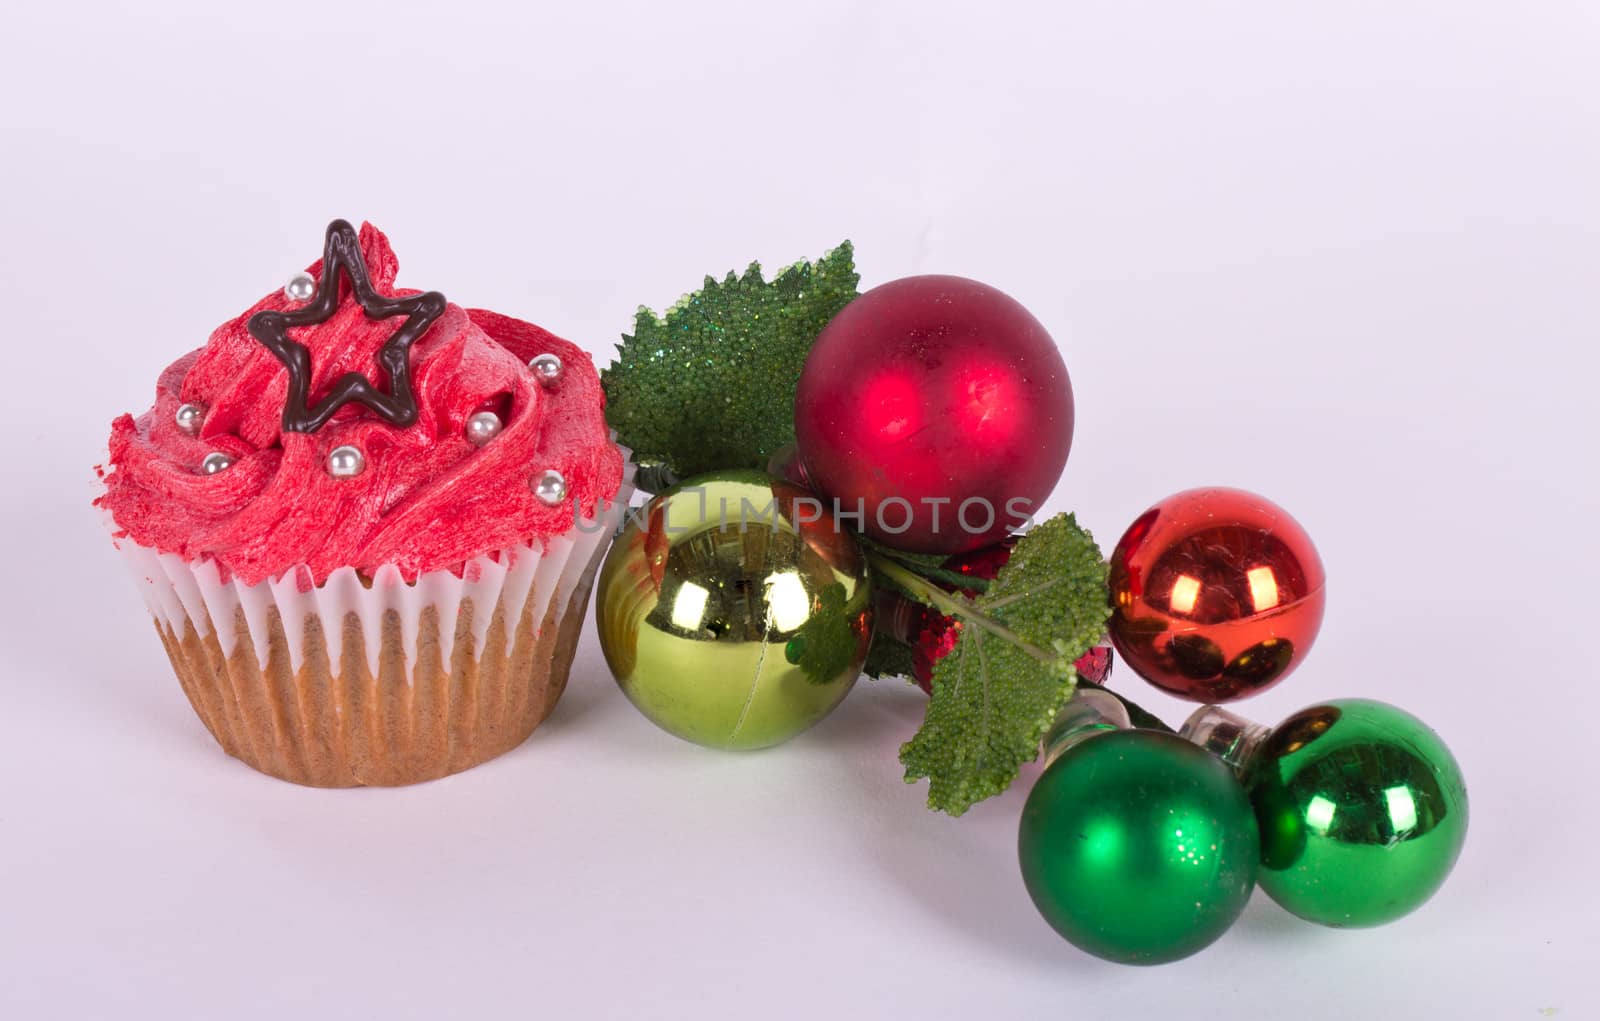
[
  {"x": 940, "y": 408},
  {"x": 1216, "y": 594}
]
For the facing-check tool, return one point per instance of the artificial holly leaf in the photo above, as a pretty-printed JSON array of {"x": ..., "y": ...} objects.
[
  {"x": 998, "y": 691},
  {"x": 825, "y": 645},
  {"x": 711, "y": 384},
  {"x": 888, "y": 658}
]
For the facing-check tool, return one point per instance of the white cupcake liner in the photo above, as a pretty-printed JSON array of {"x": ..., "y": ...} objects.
[
  {"x": 178, "y": 591},
  {"x": 367, "y": 678}
]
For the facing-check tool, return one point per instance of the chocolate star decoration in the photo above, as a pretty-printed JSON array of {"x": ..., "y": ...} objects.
[{"x": 398, "y": 407}]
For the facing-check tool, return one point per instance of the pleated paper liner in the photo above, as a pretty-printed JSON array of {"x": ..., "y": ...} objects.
[{"x": 370, "y": 680}]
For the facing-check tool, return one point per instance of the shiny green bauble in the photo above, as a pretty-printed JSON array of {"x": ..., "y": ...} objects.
[
  {"x": 1362, "y": 812},
  {"x": 733, "y": 611},
  {"x": 1138, "y": 847}
]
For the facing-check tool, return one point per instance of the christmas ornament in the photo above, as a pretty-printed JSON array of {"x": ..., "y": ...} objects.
[
  {"x": 1135, "y": 845},
  {"x": 1362, "y": 809},
  {"x": 939, "y": 409},
  {"x": 1216, "y": 594},
  {"x": 710, "y": 385},
  {"x": 733, "y": 611}
]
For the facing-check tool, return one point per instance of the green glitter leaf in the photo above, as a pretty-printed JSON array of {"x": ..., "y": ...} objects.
[
  {"x": 825, "y": 645},
  {"x": 711, "y": 385},
  {"x": 998, "y": 691}
]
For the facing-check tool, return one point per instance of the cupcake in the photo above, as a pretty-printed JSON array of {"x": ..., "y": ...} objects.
[{"x": 365, "y": 521}]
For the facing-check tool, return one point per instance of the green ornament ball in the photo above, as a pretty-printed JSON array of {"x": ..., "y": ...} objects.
[
  {"x": 1362, "y": 812},
  {"x": 1138, "y": 847},
  {"x": 733, "y": 612}
]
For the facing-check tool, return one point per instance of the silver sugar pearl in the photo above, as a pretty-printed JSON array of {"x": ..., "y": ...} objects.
[
  {"x": 550, "y": 488},
  {"x": 301, "y": 287},
  {"x": 483, "y": 427},
  {"x": 546, "y": 368},
  {"x": 189, "y": 417},
  {"x": 346, "y": 462},
  {"x": 214, "y": 462}
]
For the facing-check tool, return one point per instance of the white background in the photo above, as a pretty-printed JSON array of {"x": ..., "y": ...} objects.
[{"x": 1347, "y": 255}]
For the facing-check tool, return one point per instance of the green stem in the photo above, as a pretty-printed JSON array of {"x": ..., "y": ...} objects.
[
  {"x": 953, "y": 605},
  {"x": 926, "y": 571}
]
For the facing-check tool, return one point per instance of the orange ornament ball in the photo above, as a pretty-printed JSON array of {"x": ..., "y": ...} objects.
[{"x": 1216, "y": 594}]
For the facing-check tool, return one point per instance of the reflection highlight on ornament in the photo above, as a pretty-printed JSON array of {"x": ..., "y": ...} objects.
[
  {"x": 893, "y": 406},
  {"x": 689, "y": 607},
  {"x": 788, "y": 604},
  {"x": 1263, "y": 588},
  {"x": 1103, "y": 842},
  {"x": 985, "y": 399},
  {"x": 1184, "y": 593},
  {"x": 1319, "y": 814},
  {"x": 1402, "y": 810}
]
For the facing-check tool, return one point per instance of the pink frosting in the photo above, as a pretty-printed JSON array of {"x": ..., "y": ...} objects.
[{"x": 428, "y": 498}]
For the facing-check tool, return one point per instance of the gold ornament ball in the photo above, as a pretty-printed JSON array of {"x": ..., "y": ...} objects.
[{"x": 734, "y": 611}]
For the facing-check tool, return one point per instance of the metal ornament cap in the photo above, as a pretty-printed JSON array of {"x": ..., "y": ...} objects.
[{"x": 733, "y": 611}]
